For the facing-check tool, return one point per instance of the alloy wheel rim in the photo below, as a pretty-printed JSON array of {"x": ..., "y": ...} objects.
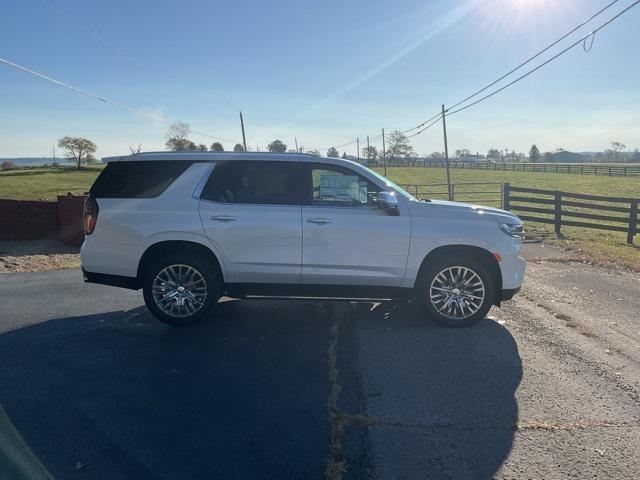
[
  {"x": 179, "y": 290},
  {"x": 457, "y": 292}
]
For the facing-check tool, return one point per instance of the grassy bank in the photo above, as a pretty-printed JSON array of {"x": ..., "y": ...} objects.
[{"x": 47, "y": 182}]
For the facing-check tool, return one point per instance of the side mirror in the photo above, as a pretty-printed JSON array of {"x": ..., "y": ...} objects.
[{"x": 388, "y": 202}]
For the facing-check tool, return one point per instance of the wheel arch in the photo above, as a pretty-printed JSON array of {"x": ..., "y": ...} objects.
[
  {"x": 159, "y": 249},
  {"x": 469, "y": 251}
]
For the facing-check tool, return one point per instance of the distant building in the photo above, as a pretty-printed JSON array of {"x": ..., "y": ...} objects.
[{"x": 564, "y": 156}]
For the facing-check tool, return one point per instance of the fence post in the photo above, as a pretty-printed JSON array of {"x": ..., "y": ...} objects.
[
  {"x": 558, "y": 212},
  {"x": 506, "y": 189},
  {"x": 453, "y": 195},
  {"x": 633, "y": 222}
]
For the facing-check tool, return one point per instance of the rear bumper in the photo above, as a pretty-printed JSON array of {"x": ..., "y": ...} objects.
[
  {"x": 132, "y": 283},
  {"x": 508, "y": 293}
]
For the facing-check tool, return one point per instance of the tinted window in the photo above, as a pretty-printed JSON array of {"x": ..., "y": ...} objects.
[
  {"x": 143, "y": 179},
  {"x": 338, "y": 186},
  {"x": 271, "y": 183}
]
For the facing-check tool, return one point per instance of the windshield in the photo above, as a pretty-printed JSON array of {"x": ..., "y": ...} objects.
[{"x": 398, "y": 189}]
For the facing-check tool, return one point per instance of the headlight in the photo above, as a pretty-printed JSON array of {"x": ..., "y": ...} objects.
[{"x": 513, "y": 229}]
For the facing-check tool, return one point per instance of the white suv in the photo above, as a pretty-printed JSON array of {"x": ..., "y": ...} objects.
[{"x": 190, "y": 227}]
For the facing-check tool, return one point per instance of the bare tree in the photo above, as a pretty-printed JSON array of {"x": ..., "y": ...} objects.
[
  {"x": 534, "y": 154},
  {"x": 177, "y": 137},
  {"x": 277, "y": 146},
  {"x": 78, "y": 149},
  {"x": 616, "y": 148},
  {"x": 463, "y": 152},
  {"x": 333, "y": 152},
  {"x": 370, "y": 153},
  {"x": 399, "y": 145},
  {"x": 135, "y": 150}
]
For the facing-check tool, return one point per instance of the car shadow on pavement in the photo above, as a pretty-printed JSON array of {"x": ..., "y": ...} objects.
[
  {"x": 120, "y": 395},
  {"x": 439, "y": 402}
]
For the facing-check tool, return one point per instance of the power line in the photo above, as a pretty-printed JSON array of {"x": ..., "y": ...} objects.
[
  {"x": 102, "y": 99},
  {"x": 434, "y": 119},
  {"x": 573, "y": 45},
  {"x": 110, "y": 45},
  {"x": 584, "y": 22},
  {"x": 434, "y": 122},
  {"x": 423, "y": 123}
]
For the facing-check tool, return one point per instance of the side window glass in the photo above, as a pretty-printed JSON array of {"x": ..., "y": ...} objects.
[
  {"x": 229, "y": 183},
  {"x": 342, "y": 188},
  {"x": 265, "y": 183},
  {"x": 137, "y": 179}
]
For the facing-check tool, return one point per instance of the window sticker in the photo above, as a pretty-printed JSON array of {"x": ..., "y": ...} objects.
[{"x": 344, "y": 188}]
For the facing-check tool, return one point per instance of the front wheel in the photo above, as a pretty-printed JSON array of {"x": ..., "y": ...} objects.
[
  {"x": 456, "y": 292},
  {"x": 181, "y": 289}
]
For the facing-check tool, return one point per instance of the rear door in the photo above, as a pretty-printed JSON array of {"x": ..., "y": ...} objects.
[
  {"x": 348, "y": 240},
  {"x": 251, "y": 212}
]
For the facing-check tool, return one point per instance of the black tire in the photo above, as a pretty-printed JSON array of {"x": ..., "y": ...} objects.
[
  {"x": 423, "y": 291},
  {"x": 203, "y": 266}
]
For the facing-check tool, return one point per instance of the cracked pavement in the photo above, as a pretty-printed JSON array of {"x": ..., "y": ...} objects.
[{"x": 91, "y": 386}]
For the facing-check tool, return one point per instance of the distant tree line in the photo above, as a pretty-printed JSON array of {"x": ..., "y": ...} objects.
[{"x": 399, "y": 147}]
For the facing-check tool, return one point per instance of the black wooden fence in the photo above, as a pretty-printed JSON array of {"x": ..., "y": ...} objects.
[
  {"x": 573, "y": 168},
  {"x": 562, "y": 208},
  {"x": 484, "y": 193}
]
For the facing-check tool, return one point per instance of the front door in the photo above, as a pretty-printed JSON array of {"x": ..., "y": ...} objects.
[
  {"x": 251, "y": 212},
  {"x": 347, "y": 239}
]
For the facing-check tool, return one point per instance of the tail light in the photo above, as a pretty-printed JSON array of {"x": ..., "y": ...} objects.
[{"x": 90, "y": 215}]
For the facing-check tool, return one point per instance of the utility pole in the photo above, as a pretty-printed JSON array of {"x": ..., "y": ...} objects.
[
  {"x": 358, "y": 146},
  {"x": 368, "y": 152},
  {"x": 244, "y": 140},
  {"x": 384, "y": 154},
  {"x": 446, "y": 154},
  {"x": 54, "y": 156}
]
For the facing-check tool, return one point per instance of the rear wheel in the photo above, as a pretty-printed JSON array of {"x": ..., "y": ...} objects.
[
  {"x": 456, "y": 292},
  {"x": 180, "y": 289}
]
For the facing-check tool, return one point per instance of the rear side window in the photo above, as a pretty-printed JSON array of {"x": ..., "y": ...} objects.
[
  {"x": 143, "y": 179},
  {"x": 265, "y": 183}
]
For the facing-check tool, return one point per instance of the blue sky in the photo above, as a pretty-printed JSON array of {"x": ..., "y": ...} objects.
[{"x": 322, "y": 71}]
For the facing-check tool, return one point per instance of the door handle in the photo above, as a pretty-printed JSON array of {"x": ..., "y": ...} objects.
[
  {"x": 223, "y": 218},
  {"x": 319, "y": 220}
]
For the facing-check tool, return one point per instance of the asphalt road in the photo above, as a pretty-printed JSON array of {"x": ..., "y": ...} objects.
[{"x": 92, "y": 387}]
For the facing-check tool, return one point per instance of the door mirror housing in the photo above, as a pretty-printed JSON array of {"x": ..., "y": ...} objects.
[{"x": 388, "y": 202}]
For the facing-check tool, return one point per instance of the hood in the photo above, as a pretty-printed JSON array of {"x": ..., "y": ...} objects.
[{"x": 500, "y": 216}]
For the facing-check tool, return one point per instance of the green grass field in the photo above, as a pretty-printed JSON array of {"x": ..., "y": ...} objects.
[
  {"x": 594, "y": 245},
  {"x": 46, "y": 183}
]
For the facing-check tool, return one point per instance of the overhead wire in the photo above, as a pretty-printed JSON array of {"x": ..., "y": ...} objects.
[
  {"x": 434, "y": 122},
  {"x": 530, "y": 59},
  {"x": 100, "y": 98},
  {"x": 562, "y": 52},
  {"x": 430, "y": 121}
]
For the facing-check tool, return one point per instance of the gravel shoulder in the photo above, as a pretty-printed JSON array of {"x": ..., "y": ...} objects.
[{"x": 37, "y": 255}]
